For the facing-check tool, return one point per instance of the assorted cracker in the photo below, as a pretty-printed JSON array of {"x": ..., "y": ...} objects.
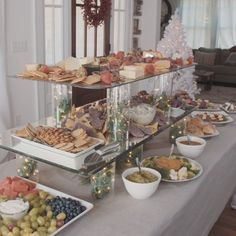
[{"x": 59, "y": 138}]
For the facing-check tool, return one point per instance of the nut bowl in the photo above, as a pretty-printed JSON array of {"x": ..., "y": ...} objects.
[
  {"x": 141, "y": 190},
  {"x": 190, "y": 150}
]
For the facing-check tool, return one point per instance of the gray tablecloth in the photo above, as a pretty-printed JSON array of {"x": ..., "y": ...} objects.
[{"x": 175, "y": 209}]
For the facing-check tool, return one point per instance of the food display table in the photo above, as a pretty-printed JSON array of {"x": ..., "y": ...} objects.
[{"x": 179, "y": 209}]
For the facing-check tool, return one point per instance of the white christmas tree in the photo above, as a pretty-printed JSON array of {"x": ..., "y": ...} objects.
[{"x": 174, "y": 44}]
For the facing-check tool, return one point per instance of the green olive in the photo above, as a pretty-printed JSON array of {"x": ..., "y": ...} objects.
[
  {"x": 61, "y": 216},
  {"x": 35, "y": 234},
  {"x": 40, "y": 220}
]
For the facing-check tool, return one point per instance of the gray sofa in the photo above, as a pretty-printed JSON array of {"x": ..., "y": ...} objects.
[{"x": 220, "y": 61}]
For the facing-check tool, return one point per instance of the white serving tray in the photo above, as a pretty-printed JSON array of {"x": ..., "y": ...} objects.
[
  {"x": 55, "y": 193},
  {"x": 53, "y": 155},
  {"x": 58, "y": 151}
]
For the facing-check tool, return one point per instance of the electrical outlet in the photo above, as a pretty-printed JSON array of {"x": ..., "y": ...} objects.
[{"x": 19, "y": 46}]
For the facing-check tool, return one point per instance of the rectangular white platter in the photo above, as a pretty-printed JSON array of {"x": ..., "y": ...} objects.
[
  {"x": 55, "y": 193},
  {"x": 229, "y": 118},
  {"x": 50, "y": 154}
]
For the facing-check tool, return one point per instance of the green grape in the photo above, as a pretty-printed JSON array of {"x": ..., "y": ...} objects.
[
  {"x": 53, "y": 222},
  {"x": 34, "y": 211},
  {"x": 25, "y": 224},
  {"x": 49, "y": 214},
  {"x": 61, "y": 216},
  {"x": 48, "y": 208},
  {"x": 40, "y": 220},
  {"x": 16, "y": 231},
  {"x": 52, "y": 229},
  {"x": 34, "y": 225},
  {"x": 42, "y": 229}
]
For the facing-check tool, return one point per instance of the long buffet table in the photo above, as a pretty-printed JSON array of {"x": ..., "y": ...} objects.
[{"x": 175, "y": 209}]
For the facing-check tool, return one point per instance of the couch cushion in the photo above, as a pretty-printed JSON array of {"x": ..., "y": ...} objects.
[
  {"x": 223, "y": 56},
  {"x": 231, "y": 59},
  {"x": 227, "y": 70},
  {"x": 205, "y": 58},
  {"x": 212, "y": 50}
]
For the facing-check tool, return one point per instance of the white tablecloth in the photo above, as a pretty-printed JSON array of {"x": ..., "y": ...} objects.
[{"x": 185, "y": 209}]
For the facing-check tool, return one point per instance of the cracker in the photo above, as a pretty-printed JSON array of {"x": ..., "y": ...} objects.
[{"x": 92, "y": 79}]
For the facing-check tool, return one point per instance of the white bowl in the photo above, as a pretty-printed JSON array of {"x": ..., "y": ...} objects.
[
  {"x": 138, "y": 190},
  {"x": 142, "y": 114},
  {"x": 15, "y": 216},
  {"x": 191, "y": 151}
]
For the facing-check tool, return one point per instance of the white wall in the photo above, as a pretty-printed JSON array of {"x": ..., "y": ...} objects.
[
  {"x": 150, "y": 24},
  {"x": 21, "y": 49}
]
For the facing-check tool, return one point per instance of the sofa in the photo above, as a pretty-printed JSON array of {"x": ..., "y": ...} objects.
[{"x": 220, "y": 61}]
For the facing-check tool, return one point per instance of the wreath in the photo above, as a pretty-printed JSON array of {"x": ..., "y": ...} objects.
[{"x": 94, "y": 15}]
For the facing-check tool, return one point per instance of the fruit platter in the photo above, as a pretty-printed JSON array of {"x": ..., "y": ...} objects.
[
  {"x": 229, "y": 107},
  {"x": 197, "y": 127},
  {"x": 214, "y": 117},
  {"x": 28, "y": 208},
  {"x": 174, "y": 168}
]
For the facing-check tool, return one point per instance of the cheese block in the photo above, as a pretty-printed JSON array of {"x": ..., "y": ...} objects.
[
  {"x": 134, "y": 68},
  {"x": 151, "y": 53},
  {"x": 32, "y": 67},
  {"x": 129, "y": 74},
  {"x": 162, "y": 64}
]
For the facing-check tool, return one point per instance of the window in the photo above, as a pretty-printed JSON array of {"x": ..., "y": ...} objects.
[
  {"x": 87, "y": 41},
  {"x": 121, "y": 25},
  {"x": 54, "y": 26},
  {"x": 209, "y": 23}
]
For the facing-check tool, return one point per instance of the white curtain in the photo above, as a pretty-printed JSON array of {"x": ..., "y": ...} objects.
[
  {"x": 5, "y": 118},
  {"x": 226, "y": 27},
  {"x": 4, "y": 100},
  {"x": 209, "y": 23}
]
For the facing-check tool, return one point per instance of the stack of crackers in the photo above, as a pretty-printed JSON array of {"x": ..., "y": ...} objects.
[{"x": 59, "y": 138}]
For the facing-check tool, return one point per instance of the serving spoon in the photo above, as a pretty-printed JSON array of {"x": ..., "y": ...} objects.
[{"x": 171, "y": 150}]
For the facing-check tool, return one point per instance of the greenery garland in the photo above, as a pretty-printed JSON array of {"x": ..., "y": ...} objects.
[{"x": 93, "y": 15}]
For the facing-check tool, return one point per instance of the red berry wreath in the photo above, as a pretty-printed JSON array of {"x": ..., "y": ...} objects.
[{"x": 93, "y": 15}]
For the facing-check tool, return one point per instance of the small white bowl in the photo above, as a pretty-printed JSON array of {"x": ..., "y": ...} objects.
[
  {"x": 15, "y": 216},
  {"x": 191, "y": 151},
  {"x": 138, "y": 190}
]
